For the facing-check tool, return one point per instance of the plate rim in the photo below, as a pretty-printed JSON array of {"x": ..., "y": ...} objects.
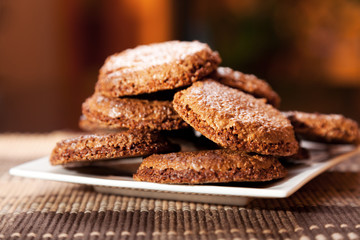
[{"x": 276, "y": 190}]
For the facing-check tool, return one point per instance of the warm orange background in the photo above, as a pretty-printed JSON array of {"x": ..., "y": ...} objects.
[{"x": 50, "y": 51}]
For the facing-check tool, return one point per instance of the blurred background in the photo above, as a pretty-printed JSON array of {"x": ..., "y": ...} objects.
[{"x": 51, "y": 51}]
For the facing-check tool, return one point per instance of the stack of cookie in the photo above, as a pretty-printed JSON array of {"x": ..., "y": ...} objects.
[
  {"x": 132, "y": 102},
  {"x": 253, "y": 135},
  {"x": 177, "y": 85},
  {"x": 134, "y": 87}
]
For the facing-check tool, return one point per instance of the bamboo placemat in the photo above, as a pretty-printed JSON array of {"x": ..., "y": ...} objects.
[{"x": 326, "y": 208}]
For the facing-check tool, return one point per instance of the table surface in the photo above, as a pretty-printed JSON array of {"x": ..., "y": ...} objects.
[{"x": 326, "y": 208}]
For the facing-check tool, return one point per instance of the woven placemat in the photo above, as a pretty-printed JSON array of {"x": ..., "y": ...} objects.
[{"x": 326, "y": 208}]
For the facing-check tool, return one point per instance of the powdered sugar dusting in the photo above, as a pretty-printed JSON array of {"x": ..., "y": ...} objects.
[
  {"x": 227, "y": 106},
  {"x": 145, "y": 56}
]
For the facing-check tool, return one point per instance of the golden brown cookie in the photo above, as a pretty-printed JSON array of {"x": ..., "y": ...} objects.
[
  {"x": 132, "y": 113},
  {"x": 330, "y": 128},
  {"x": 248, "y": 83},
  {"x": 97, "y": 147},
  {"x": 155, "y": 67},
  {"x": 212, "y": 166},
  {"x": 235, "y": 120}
]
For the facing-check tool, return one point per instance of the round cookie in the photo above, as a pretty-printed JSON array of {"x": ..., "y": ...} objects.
[
  {"x": 235, "y": 120},
  {"x": 132, "y": 113},
  {"x": 97, "y": 147},
  {"x": 248, "y": 83},
  {"x": 211, "y": 166},
  {"x": 155, "y": 67},
  {"x": 329, "y": 128}
]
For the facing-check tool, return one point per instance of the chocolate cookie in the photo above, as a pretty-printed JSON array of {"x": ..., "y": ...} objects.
[
  {"x": 109, "y": 146},
  {"x": 132, "y": 113},
  {"x": 212, "y": 166},
  {"x": 248, "y": 83},
  {"x": 235, "y": 120},
  {"x": 330, "y": 128},
  {"x": 154, "y": 67}
]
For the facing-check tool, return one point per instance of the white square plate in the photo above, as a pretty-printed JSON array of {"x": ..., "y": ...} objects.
[{"x": 322, "y": 158}]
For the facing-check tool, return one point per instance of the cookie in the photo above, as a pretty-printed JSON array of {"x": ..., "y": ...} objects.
[
  {"x": 248, "y": 83},
  {"x": 96, "y": 147},
  {"x": 302, "y": 154},
  {"x": 132, "y": 113},
  {"x": 212, "y": 166},
  {"x": 155, "y": 67},
  {"x": 329, "y": 128},
  {"x": 89, "y": 126},
  {"x": 235, "y": 120}
]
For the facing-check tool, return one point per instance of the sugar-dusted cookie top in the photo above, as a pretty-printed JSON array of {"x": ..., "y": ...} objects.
[
  {"x": 235, "y": 120},
  {"x": 248, "y": 83},
  {"x": 155, "y": 67}
]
